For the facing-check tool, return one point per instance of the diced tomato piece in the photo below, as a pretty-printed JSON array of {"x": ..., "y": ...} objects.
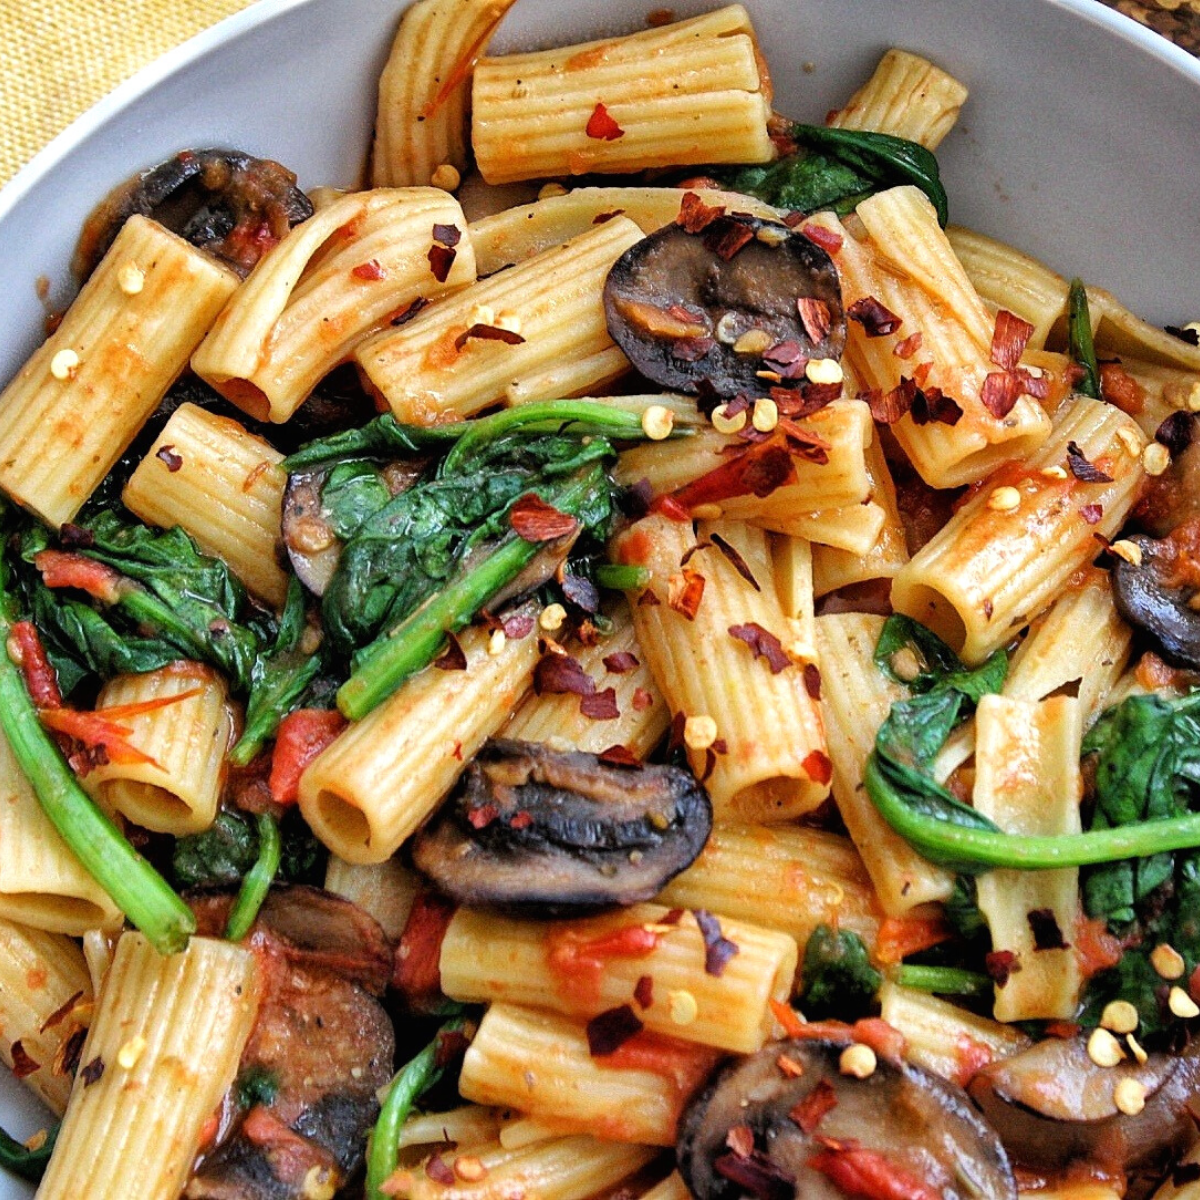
[
  {"x": 61, "y": 569},
  {"x": 95, "y": 731},
  {"x": 302, "y": 736},
  {"x": 41, "y": 680},
  {"x": 899, "y": 937},
  {"x": 868, "y": 1174},
  {"x": 417, "y": 972}
]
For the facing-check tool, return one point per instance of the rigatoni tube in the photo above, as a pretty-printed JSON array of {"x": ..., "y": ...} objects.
[{"x": 79, "y": 401}]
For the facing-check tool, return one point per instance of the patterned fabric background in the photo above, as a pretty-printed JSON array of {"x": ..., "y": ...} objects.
[{"x": 58, "y": 57}]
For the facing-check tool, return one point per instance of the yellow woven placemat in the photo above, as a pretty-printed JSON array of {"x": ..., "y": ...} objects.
[{"x": 58, "y": 57}]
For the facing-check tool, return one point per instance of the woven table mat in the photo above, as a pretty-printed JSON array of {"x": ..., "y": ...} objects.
[{"x": 58, "y": 57}]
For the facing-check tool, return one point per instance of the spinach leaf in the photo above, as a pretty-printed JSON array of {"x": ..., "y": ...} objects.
[
  {"x": 28, "y": 1164},
  {"x": 838, "y": 169},
  {"x": 837, "y": 977},
  {"x": 218, "y": 857}
]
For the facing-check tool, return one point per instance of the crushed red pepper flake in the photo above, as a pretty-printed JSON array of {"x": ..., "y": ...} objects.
[
  {"x": 1083, "y": 470},
  {"x": 737, "y": 561},
  {"x": 814, "y": 1107},
  {"x": 642, "y": 700},
  {"x": 803, "y": 443},
  {"x": 695, "y": 216},
  {"x": 619, "y": 756},
  {"x": 1000, "y": 392},
  {"x": 369, "y": 271},
  {"x": 61, "y": 1013},
  {"x": 815, "y": 317},
  {"x": 580, "y": 591},
  {"x": 718, "y": 949},
  {"x": 818, "y": 767},
  {"x": 1047, "y": 935},
  {"x": 521, "y": 819},
  {"x": 518, "y": 626},
  {"x": 1092, "y": 513},
  {"x": 604, "y": 217},
  {"x": 601, "y": 705},
  {"x": 441, "y": 259},
  {"x": 447, "y": 235},
  {"x": 91, "y": 1072},
  {"x": 909, "y": 346},
  {"x": 1009, "y": 339},
  {"x": 536, "y": 521},
  {"x": 1176, "y": 432},
  {"x": 812, "y": 680},
  {"x": 1001, "y": 966},
  {"x": 763, "y": 644},
  {"x": 602, "y": 127},
  {"x": 66, "y": 1058},
  {"x": 932, "y": 406},
  {"x": 406, "y": 314},
  {"x": 559, "y": 674},
  {"x": 611, "y": 1029},
  {"x": 648, "y": 599},
  {"x": 758, "y": 1175},
  {"x": 167, "y": 455},
  {"x": 875, "y": 319},
  {"x": 439, "y": 1170},
  {"x": 453, "y": 658},
  {"x": 482, "y": 816},
  {"x": 621, "y": 662},
  {"x": 740, "y": 1139},
  {"x": 488, "y": 333},
  {"x": 789, "y": 1067},
  {"x": 726, "y": 235},
  {"x": 23, "y": 1063},
  {"x": 643, "y": 991},
  {"x": 828, "y": 239},
  {"x": 756, "y": 471},
  {"x": 691, "y": 551},
  {"x": 686, "y": 590},
  {"x": 691, "y": 349}
]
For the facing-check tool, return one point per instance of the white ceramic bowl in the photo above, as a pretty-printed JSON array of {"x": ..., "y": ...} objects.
[{"x": 1077, "y": 144}]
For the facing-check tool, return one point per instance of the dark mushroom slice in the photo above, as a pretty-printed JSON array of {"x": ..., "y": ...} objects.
[
  {"x": 316, "y": 525},
  {"x": 550, "y": 834},
  {"x": 227, "y": 202},
  {"x": 1156, "y": 594},
  {"x": 787, "y": 1123},
  {"x": 713, "y": 309},
  {"x": 321, "y": 1048},
  {"x": 1052, "y": 1105}
]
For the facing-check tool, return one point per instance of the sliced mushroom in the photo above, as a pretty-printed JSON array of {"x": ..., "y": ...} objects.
[
  {"x": 1156, "y": 593},
  {"x": 313, "y": 536},
  {"x": 717, "y": 308},
  {"x": 787, "y": 1123},
  {"x": 321, "y": 1048},
  {"x": 551, "y": 834},
  {"x": 229, "y": 203},
  {"x": 1052, "y": 1105}
]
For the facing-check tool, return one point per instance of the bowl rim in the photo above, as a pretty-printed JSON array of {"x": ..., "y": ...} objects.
[{"x": 262, "y": 12}]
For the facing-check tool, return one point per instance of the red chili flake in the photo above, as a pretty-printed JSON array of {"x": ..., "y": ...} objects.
[
  {"x": 642, "y": 700},
  {"x": 757, "y": 1176},
  {"x": 454, "y": 658},
  {"x": 932, "y": 405},
  {"x": 447, "y": 235},
  {"x": 887, "y": 407},
  {"x": 828, "y": 239},
  {"x": 482, "y": 816},
  {"x": 794, "y": 218},
  {"x": 811, "y": 1110},
  {"x": 167, "y": 455},
  {"x": 1092, "y": 513},
  {"x": 988, "y": 607},
  {"x": 581, "y": 592},
  {"x": 643, "y": 992},
  {"x": 739, "y": 563},
  {"x": 1083, "y": 470},
  {"x": 691, "y": 349},
  {"x": 818, "y": 767},
  {"x": 620, "y": 662},
  {"x": 619, "y": 756},
  {"x": 66, "y": 1059},
  {"x": 439, "y": 1170},
  {"x": 521, "y": 819},
  {"x": 763, "y": 644},
  {"x": 787, "y": 353},
  {"x": 536, "y": 521},
  {"x": 693, "y": 550},
  {"x": 718, "y": 949},
  {"x": 649, "y": 599},
  {"x": 560, "y": 674},
  {"x": 609, "y": 1031},
  {"x": 604, "y": 217},
  {"x": 518, "y": 626},
  {"x": 921, "y": 373},
  {"x": 600, "y": 706},
  {"x": 803, "y": 443},
  {"x": 789, "y": 1067},
  {"x": 370, "y": 270},
  {"x": 488, "y": 333},
  {"x": 659, "y": 17},
  {"x": 90, "y": 1072},
  {"x": 876, "y": 320},
  {"x": 695, "y": 216},
  {"x": 812, "y": 680},
  {"x": 1009, "y": 340},
  {"x": 687, "y": 593},
  {"x": 602, "y": 127},
  {"x": 1046, "y": 933},
  {"x": 675, "y": 734},
  {"x": 758, "y": 471},
  {"x": 407, "y": 313},
  {"x": 41, "y": 679},
  {"x": 458, "y": 751},
  {"x": 815, "y": 317},
  {"x": 1176, "y": 432},
  {"x": 1001, "y": 965},
  {"x": 441, "y": 259},
  {"x": 60, "y": 1014},
  {"x": 726, "y": 236},
  {"x": 23, "y": 1065},
  {"x": 1000, "y": 392},
  {"x": 740, "y": 1139},
  {"x": 908, "y": 347}
]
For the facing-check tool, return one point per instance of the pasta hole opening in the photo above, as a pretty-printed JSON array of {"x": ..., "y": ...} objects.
[
  {"x": 772, "y": 799},
  {"x": 251, "y": 399},
  {"x": 935, "y": 611},
  {"x": 157, "y": 808},
  {"x": 342, "y": 821},
  {"x": 70, "y": 915}
]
